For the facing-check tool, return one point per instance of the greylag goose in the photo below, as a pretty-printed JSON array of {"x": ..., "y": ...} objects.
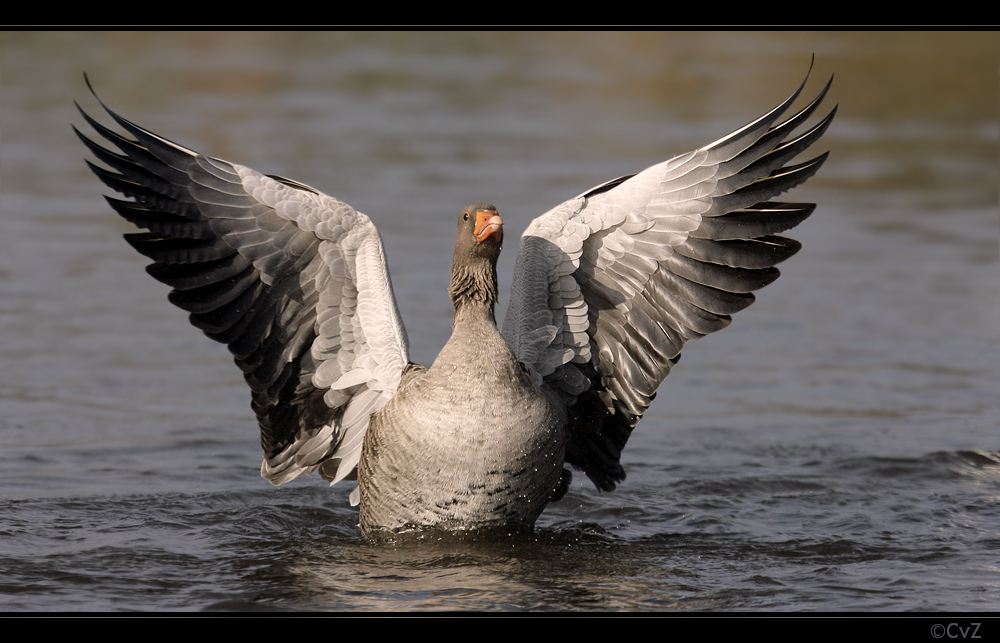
[{"x": 608, "y": 287}]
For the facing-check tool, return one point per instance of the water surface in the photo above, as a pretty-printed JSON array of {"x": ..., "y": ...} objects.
[{"x": 835, "y": 449}]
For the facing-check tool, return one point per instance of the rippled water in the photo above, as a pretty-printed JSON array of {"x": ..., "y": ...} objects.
[{"x": 836, "y": 449}]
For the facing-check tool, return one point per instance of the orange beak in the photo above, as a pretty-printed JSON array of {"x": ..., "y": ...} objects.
[{"x": 488, "y": 224}]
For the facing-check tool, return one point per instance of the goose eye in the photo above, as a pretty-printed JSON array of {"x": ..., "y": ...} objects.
[{"x": 465, "y": 216}]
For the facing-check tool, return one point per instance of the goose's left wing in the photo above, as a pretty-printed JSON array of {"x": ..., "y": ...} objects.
[{"x": 610, "y": 285}]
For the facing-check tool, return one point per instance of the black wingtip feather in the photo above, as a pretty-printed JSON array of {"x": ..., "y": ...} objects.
[
  {"x": 165, "y": 150},
  {"x": 171, "y": 250}
]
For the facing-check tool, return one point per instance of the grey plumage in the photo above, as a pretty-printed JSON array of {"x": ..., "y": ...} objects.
[{"x": 608, "y": 288}]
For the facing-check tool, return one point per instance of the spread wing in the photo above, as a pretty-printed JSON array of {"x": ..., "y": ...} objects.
[
  {"x": 294, "y": 282},
  {"x": 610, "y": 285}
]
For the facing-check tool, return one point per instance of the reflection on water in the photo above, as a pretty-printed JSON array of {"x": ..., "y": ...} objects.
[
  {"x": 834, "y": 534},
  {"x": 835, "y": 449}
]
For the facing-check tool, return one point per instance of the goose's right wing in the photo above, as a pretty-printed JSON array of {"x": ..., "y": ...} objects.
[{"x": 293, "y": 281}]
